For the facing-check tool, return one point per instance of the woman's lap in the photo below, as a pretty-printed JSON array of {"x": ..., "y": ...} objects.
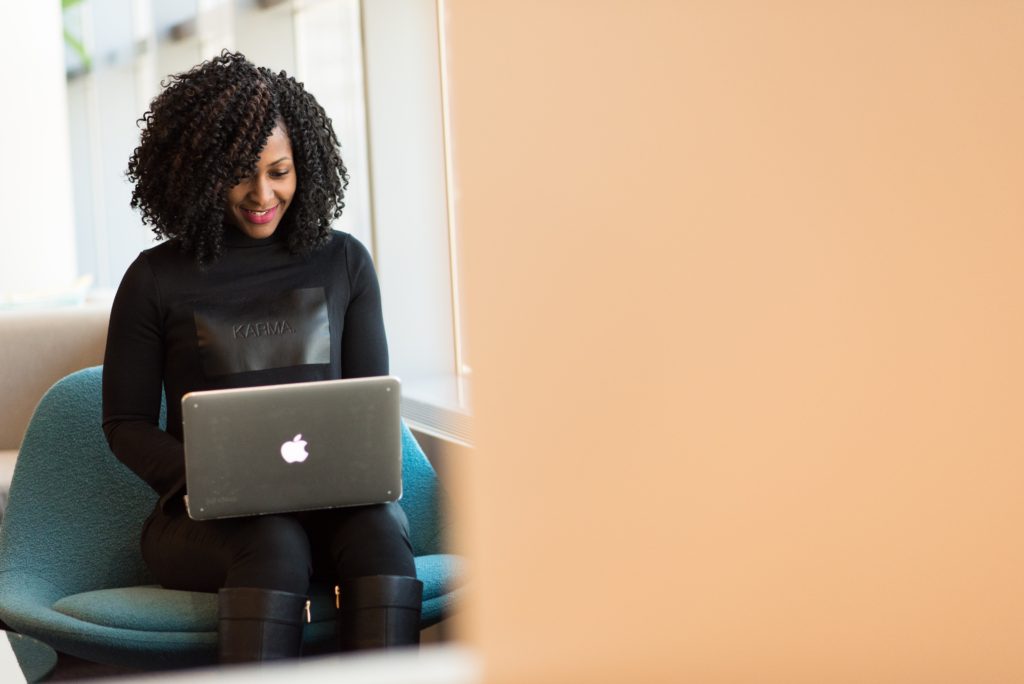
[{"x": 277, "y": 551}]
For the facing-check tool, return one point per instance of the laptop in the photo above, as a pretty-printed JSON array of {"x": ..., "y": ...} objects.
[{"x": 296, "y": 447}]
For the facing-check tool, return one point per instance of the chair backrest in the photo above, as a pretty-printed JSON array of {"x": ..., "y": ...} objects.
[
  {"x": 420, "y": 499},
  {"x": 76, "y": 512}
]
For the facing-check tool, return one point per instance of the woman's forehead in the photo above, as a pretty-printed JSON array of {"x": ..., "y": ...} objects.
[{"x": 278, "y": 144}]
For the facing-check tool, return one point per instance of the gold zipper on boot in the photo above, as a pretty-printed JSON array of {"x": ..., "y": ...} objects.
[
  {"x": 337, "y": 596},
  {"x": 309, "y": 617}
]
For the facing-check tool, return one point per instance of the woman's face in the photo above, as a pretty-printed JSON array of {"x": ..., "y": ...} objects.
[{"x": 257, "y": 204}]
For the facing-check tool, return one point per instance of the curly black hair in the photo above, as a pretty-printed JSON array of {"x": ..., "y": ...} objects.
[{"x": 204, "y": 133}]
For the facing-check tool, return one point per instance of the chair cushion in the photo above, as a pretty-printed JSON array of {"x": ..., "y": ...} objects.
[
  {"x": 155, "y": 609},
  {"x": 145, "y": 608}
]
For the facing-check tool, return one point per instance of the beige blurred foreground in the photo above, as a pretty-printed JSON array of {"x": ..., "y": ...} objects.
[{"x": 745, "y": 290}]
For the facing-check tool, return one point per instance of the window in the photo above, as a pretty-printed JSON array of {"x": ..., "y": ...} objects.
[{"x": 414, "y": 239}]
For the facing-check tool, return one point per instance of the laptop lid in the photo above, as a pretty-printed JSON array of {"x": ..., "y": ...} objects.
[{"x": 303, "y": 446}]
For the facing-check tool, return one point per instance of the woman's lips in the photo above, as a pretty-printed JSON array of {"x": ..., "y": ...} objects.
[{"x": 260, "y": 216}]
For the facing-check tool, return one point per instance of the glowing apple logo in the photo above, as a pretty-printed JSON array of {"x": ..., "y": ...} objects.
[{"x": 295, "y": 450}]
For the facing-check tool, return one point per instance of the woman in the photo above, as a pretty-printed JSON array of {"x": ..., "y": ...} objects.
[{"x": 240, "y": 168}]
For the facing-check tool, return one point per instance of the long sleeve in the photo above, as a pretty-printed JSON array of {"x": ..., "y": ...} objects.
[
  {"x": 132, "y": 384},
  {"x": 364, "y": 346}
]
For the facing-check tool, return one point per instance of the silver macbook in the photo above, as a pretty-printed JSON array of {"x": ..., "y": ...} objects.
[{"x": 303, "y": 446}]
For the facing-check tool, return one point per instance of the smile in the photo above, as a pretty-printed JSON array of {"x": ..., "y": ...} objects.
[{"x": 261, "y": 216}]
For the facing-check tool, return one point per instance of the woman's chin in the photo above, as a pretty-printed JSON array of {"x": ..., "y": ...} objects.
[
  {"x": 260, "y": 232},
  {"x": 257, "y": 231}
]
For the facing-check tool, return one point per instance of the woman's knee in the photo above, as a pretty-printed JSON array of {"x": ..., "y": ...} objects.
[
  {"x": 383, "y": 521},
  {"x": 373, "y": 540}
]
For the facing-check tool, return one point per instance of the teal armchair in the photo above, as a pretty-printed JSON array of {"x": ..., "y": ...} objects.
[{"x": 71, "y": 572}]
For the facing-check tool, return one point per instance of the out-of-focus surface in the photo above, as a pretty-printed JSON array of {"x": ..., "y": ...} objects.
[
  {"x": 744, "y": 293},
  {"x": 38, "y": 347},
  {"x": 431, "y": 664}
]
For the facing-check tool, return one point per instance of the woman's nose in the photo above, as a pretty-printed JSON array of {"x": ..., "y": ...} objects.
[{"x": 262, "y": 191}]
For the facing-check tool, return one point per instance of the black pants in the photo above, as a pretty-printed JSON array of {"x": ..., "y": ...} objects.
[{"x": 281, "y": 552}]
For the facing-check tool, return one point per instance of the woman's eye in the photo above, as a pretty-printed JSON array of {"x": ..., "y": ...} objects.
[{"x": 278, "y": 174}]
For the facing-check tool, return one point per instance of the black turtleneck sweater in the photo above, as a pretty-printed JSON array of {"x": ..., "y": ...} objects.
[{"x": 258, "y": 316}]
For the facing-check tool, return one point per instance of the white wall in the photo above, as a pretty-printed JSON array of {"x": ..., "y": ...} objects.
[{"x": 37, "y": 241}]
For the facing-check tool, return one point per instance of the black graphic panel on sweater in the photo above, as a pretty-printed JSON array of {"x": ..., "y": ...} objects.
[{"x": 282, "y": 330}]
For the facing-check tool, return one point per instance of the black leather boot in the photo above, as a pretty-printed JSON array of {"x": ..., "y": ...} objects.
[
  {"x": 259, "y": 624},
  {"x": 378, "y": 611}
]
